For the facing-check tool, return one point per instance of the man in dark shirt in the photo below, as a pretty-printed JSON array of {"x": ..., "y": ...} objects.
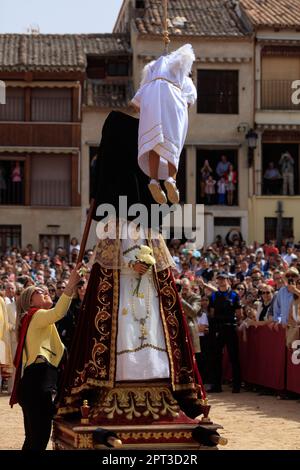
[{"x": 225, "y": 308}]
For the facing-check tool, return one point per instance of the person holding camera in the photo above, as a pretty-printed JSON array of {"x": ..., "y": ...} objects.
[
  {"x": 286, "y": 296},
  {"x": 287, "y": 170}
]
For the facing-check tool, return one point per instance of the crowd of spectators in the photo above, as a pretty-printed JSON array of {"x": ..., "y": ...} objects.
[
  {"x": 264, "y": 278},
  {"x": 263, "y": 285}
]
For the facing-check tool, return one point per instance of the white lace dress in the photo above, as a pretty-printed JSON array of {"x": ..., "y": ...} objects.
[{"x": 141, "y": 345}]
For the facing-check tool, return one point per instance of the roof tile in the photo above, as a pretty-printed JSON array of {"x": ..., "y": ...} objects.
[
  {"x": 216, "y": 18},
  {"x": 65, "y": 52},
  {"x": 273, "y": 13}
]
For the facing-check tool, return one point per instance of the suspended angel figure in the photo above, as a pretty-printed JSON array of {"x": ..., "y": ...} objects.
[{"x": 166, "y": 91}]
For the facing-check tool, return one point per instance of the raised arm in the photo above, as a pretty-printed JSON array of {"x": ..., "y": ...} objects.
[
  {"x": 191, "y": 309},
  {"x": 45, "y": 317}
]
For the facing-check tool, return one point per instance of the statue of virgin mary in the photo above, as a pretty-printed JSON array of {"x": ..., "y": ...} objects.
[{"x": 131, "y": 356}]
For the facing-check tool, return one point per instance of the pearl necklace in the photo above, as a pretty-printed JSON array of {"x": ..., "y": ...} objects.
[{"x": 142, "y": 321}]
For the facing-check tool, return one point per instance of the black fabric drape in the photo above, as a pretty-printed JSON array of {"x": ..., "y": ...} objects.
[{"x": 116, "y": 172}]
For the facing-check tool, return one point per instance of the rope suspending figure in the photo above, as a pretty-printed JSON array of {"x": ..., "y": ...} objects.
[{"x": 166, "y": 38}]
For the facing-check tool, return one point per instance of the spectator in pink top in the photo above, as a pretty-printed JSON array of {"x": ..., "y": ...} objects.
[{"x": 16, "y": 179}]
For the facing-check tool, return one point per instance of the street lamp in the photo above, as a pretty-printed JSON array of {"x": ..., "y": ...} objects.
[{"x": 252, "y": 138}]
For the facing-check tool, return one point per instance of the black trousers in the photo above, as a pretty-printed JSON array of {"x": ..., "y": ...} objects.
[
  {"x": 226, "y": 335},
  {"x": 35, "y": 398},
  {"x": 203, "y": 359}
]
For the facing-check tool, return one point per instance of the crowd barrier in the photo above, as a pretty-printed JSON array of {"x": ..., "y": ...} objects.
[{"x": 265, "y": 359}]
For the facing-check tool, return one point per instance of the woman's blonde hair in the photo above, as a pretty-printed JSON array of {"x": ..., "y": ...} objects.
[{"x": 23, "y": 305}]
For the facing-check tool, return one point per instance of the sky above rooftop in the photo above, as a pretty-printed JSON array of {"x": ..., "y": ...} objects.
[{"x": 59, "y": 16}]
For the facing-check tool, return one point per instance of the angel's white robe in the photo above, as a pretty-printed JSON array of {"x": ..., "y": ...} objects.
[{"x": 163, "y": 99}]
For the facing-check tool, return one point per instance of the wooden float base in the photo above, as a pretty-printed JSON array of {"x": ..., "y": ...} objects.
[{"x": 75, "y": 436}]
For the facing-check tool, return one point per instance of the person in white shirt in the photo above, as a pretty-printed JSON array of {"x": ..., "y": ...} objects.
[
  {"x": 289, "y": 256},
  {"x": 74, "y": 245},
  {"x": 10, "y": 291},
  {"x": 203, "y": 329}
]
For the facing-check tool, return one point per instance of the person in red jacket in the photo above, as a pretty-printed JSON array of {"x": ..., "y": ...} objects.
[{"x": 231, "y": 179}]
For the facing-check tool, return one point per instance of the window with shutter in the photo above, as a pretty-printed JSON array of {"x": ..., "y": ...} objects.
[
  {"x": 13, "y": 109},
  {"x": 51, "y": 105},
  {"x": 218, "y": 92},
  {"x": 117, "y": 69},
  {"x": 96, "y": 67},
  {"x": 51, "y": 181}
]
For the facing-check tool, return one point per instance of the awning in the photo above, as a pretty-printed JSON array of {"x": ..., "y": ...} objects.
[
  {"x": 277, "y": 127},
  {"x": 41, "y": 84},
  {"x": 214, "y": 144},
  {"x": 57, "y": 150},
  {"x": 210, "y": 60}
]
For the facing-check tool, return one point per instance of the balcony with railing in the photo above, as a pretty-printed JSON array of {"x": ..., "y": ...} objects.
[
  {"x": 43, "y": 193},
  {"x": 277, "y": 95},
  {"x": 13, "y": 109},
  {"x": 51, "y": 109},
  {"x": 51, "y": 193},
  {"x": 45, "y": 119},
  {"x": 11, "y": 193}
]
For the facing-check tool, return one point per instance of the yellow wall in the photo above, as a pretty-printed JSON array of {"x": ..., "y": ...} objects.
[
  {"x": 261, "y": 207},
  {"x": 34, "y": 222}
]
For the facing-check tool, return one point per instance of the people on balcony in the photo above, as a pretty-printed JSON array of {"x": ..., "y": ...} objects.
[
  {"x": 2, "y": 185},
  {"x": 218, "y": 184},
  {"x": 287, "y": 170},
  {"x": 16, "y": 180},
  {"x": 231, "y": 180},
  {"x": 272, "y": 178},
  {"x": 206, "y": 171},
  {"x": 210, "y": 190},
  {"x": 222, "y": 166},
  {"x": 11, "y": 182},
  {"x": 221, "y": 191}
]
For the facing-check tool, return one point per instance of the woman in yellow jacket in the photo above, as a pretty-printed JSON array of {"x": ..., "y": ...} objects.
[{"x": 38, "y": 356}]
